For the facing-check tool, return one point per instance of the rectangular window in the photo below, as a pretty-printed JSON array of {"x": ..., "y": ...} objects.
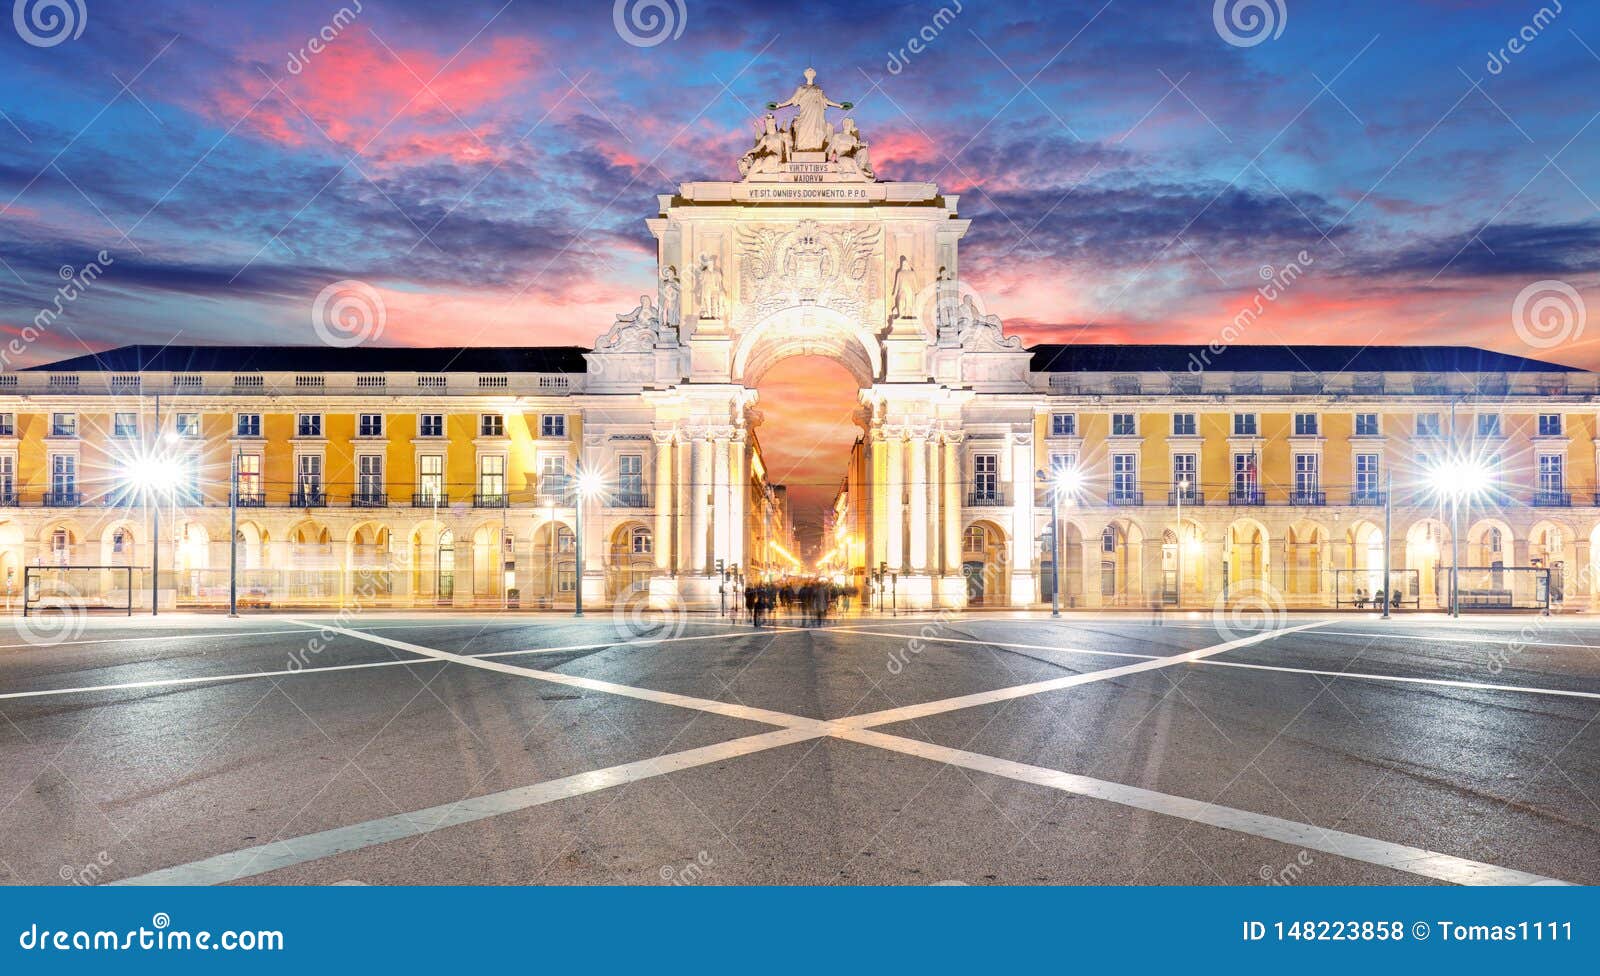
[
  {"x": 1305, "y": 425},
  {"x": 1063, "y": 425},
  {"x": 1184, "y": 475},
  {"x": 1307, "y": 482},
  {"x": 430, "y": 425},
  {"x": 553, "y": 475},
  {"x": 492, "y": 478},
  {"x": 309, "y": 425},
  {"x": 369, "y": 425},
  {"x": 491, "y": 425},
  {"x": 630, "y": 480},
  {"x": 63, "y": 425},
  {"x": 985, "y": 478},
  {"x": 553, "y": 425},
  {"x": 125, "y": 425},
  {"x": 430, "y": 478},
  {"x": 1366, "y": 425},
  {"x": 308, "y": 476},
  {"x": 369, "y": 477},
  {"x": 1488, "y": 425},
  {"x": 1123, "y": 425},
  {"x": 187, "y": 424},
  {"x": 250, "y": 479},
  {"x": 248, "y": 425},
  {"x": 1062, "y": 461},
  {"x": 1549, "y": 425},
  {"x": 1428, "y": 425},
  {"x": 8, "y": 479},
  {"x": 1369, "y": 486},
  {"x": 1551, "y": 480},
  {"x": 1246, "y": 477},
  {"x": 1244, "y": 425},
  {"x": 8, "y": 425},
  {"x": 1183, "y": 425},
  {"x": 63, "y": 477},
  {"x": 1124, "y": 478}
]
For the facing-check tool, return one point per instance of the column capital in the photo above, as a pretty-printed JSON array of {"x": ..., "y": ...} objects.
[{"x": 664, "y": 438}]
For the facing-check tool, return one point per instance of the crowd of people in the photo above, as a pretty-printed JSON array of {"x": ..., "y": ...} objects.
[{"x": 810, "y": 601}]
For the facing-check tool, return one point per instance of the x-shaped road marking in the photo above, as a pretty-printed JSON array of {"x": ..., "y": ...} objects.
[{"x": 859, "y": 729}]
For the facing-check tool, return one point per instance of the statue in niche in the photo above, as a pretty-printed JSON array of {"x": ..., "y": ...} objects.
[
  {"x": 904, "y": 304},
  {"x": 671, "y": 299},
  {"x": 810, "y": 130},
  {"x": 946, "y": 302},
  {"x": 769, "y": 153},
  {"x": 847, "y": 147},
  {"x": 710, "y": 293}
]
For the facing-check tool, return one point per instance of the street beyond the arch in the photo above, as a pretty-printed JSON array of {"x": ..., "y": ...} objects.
[{"x": 954, "y": 749}]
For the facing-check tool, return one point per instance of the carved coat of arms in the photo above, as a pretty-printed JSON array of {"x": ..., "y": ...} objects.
[{"x": 808, "y": 263}]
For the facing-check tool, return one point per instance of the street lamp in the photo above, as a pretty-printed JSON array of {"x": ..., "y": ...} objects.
[
  {"x": 1458, "y": 478},
  {"x": 1183, "y": 489},
  {"x": 1066, "y": 481},
  {"x": 154, "y": 476},
  {"x": 586, "y": 484}
]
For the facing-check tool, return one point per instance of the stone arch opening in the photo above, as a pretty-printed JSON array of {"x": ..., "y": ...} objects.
[{"x": 807, "y": 331}]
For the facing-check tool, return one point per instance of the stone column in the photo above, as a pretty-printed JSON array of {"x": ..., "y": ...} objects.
[
  {"x": 1024, "y": 590},
  {"x": 933, "y": 491},
  {"x": 952, "y": 503},
  {"x": 721, "y": 508},
  {"x": 920, "y": 529},
  {"x": 738, "y": 494},
  {"x": 699, "y": 479},
  {"x": 894, "y": 485},
  {"x": 663, "y": 501}
]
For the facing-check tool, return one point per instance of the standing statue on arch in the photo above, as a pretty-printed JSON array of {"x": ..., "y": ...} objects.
[{"x": 810, "y": 129}]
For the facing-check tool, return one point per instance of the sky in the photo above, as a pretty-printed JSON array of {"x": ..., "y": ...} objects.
[{"x": 1134, "y": 170}]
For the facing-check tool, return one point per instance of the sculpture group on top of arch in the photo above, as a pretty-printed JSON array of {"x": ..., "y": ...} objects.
[{"x": 808, "y": 138}]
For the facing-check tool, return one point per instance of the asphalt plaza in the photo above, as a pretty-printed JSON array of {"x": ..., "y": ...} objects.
[{"x": 981, "y": 749}]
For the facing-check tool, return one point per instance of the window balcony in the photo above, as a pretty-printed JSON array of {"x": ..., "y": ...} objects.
[
  {"x": 628, "y": 499},
  {"x": 1552, "y": 499},
  {"x": 1247, "y": 496},
  {"x": 308, "y": 498},
  {"x": 251, "y": 499},
  {"x": 1132, "y": 498},
  {"x": 367, "y": 498},
  {"x": 1373, "y": 498},
  {"x": 987, "y": 498},
  {"x": 1308, "y": 498},
  {"x": 489, "y": 499},
  {"x": 9, "y": 499},
  {"x": 1190, "y": 497},
  {"x": 65, "y": 498},
  {"x": 428, "y": 499}
]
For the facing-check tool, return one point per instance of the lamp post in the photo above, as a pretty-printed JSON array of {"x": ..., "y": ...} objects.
[
  {"x": 155, "y": 475},
  {"x": 1183, "y": 488},
  {"x": 233, "y": 535},
  {"x": 586, "y": 484},
  {"x": 1066, "y": 481},
  {"x": 1388, "y": 541},
  {"x": 1459, "y": 478}
]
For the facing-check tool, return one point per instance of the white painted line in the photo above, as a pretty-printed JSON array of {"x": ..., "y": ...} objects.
[
  {"x": 1466, "y": 639},
  {"x": 1412, "y": 860},
  {"x": 908, "y": 712},
  {"x": 991, "y": 643},
  {"x": 159, "y": 637},
  {"x": 290, "y": 673},
  {"x": 727, "y": 709},
  {"x": 261, "y": 859},
  {"x": 1446, "y": 682}
]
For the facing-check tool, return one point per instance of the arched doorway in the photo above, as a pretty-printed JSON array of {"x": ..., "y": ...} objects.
[
  {"x": 1121, "y": 570},
  {"x": 1427, "y": 545},
  {"x": 1305, "y": 559},
  {"x": 433, "y": 565},
  {"x": 1072, "y": 589},
  {"x": 984, "y": 563},
  {"x": 630, "y": 559},
  {"x": 553, "y": 577},
  {"x": 1246, "y": 560},
  {"x": 368, "y": 565},
  {"x": 1547, "y": 549}
]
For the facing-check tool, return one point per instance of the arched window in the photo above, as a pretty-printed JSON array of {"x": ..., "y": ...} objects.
[
  {"x": 975, "y": 539},
  {"x": 565, "y": 540},
  {"x": 641, "y": 541}
]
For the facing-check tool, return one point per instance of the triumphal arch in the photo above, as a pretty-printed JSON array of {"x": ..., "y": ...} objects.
[{"x": 810, "y": 253}]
